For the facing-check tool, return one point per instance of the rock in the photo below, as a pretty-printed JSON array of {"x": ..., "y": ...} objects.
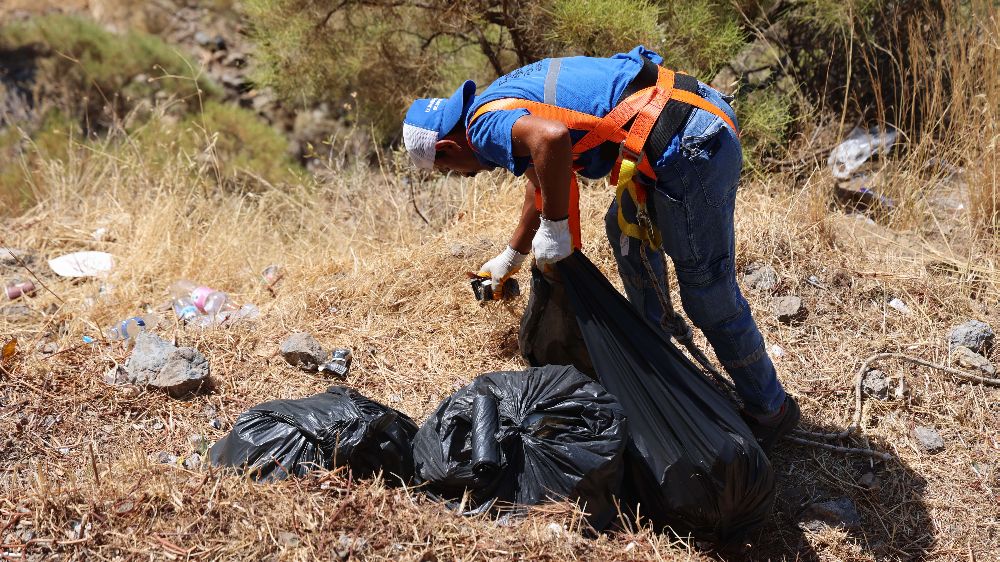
[
  {"x": 193, "y": 462},
  {"x": 974, "y": 334},
  {"x": 199, "y": 443},
  {"x": 214, "y": 423},
  {"x": 876, "y": 385},
  {"x": 288, "y": 539},
  {"x": 158, "y": 363},
  {"x": 303, "y": 351},
  {"x": 969, "y": 359},
  {"x": 870, "y": 482},
  {"x": 164, "y": 457},
  {"x": 47, "y": 348},
  {"x": 788, "y": 309},
  {"x": 760, "y": 277},
  {"x": 928, "y": 438},
  {"x": 202, "y": 38},
  {"x": 116, "y": 376},
  {"x": 840, "y": 513},
  {"x": 776, "y": 351},
  {"x": 16, "y": 312}
]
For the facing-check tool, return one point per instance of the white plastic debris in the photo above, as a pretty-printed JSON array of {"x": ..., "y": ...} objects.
[
  {"x": 859, "y": 146},
  {"x": 82, "y": 264},
  {"x": 776, "y": 351},
  {"x": 899, "y": 305}
]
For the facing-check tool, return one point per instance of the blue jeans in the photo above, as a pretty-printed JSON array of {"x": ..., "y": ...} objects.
[{"x": 692, "y": 205}]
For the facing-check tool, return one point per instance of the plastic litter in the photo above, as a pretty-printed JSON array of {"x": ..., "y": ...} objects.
[
  {"x": 17, "y": 289},
  {"x": 691, "y": 462},
  {"x": 549, "y": 334},
  {"x": 82, "y": 264},
  {"x": 128, "y": 329},
  {"x": 339, "y": 427},
  {"x": 523, "y": 438},
  {"x": 206, "y": 299},
  {"x": 860, "y": 145},
  {"x": 272, "y": 274},
  {"x": 339, "y": 363}
]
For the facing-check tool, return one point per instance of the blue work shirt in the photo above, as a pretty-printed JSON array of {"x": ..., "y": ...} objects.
[{"x": 586, "y": 84}]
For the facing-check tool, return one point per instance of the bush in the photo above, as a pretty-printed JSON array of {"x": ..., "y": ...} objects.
[{"x": 88, "y": 71}]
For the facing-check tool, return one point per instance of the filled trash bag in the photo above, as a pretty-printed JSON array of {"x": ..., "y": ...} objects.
[
  {"x": 339, "y": 427},
  {"x": 521, "y": 438},
  {"x": 691, "y": 463},
  {"x": 549, "y": 333}
]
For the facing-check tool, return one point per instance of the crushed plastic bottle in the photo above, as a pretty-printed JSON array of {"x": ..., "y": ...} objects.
[
  {"x": 206, "y": 299},
  {"x": 128, "y": 329},
  {"x": 859, "y": 146}
]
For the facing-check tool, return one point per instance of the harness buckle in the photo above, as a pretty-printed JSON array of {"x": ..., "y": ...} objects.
[{"x": 625, "y": 153}]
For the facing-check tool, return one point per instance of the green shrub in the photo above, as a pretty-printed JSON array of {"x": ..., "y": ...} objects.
[{"x": 84, "y": 69}]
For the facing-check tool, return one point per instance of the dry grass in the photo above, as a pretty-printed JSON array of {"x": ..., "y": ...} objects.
[{"x": 363, "y": 270}]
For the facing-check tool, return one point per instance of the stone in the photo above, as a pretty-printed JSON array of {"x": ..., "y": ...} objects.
[
  {"x": 158, "y": 363},
  {"x": 928, "y": 438},
  {"x": 214, "y": 423},
  {"x": 974, "y": 334},
  {"x": 202, "y": 38},
  {"x": 303, "y": 351},
  {"x": 969, "y": 359},
  {"x": 760, "y": 277},
  {"x": 788, "y": 309},
  {"x": 876, "y": 385},
  {"x": 16, "y": 312},
  {"x": 116, "y": 376},
  {"x": 870, "y": 482},
  {"x": 193, "y": 462},
  {"x": 839, "y": 513},
  {"x": 163, "y": 457}
]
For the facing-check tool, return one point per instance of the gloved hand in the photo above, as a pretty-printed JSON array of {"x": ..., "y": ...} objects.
[
  {"x": 503, "y": 266},
  {"x": 552, "y": 242}
]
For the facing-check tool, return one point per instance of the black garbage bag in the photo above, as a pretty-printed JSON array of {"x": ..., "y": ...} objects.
[
  {"x": 692, "y": 463},
  {"x": 339, "y": 427},
  {"x": 521, "y": 438},
  {"x": 549, "y": 333}
]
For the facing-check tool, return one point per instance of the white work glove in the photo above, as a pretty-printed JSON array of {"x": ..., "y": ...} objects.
[
  {"x": 552, "y": 242},
  {"x": 503, "y": 266}
]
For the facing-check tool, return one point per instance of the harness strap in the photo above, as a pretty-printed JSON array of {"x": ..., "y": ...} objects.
[{"x": 648, "y": 117}]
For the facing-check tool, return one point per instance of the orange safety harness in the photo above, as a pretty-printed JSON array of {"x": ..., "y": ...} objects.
[{"x": 642, "y": 109}]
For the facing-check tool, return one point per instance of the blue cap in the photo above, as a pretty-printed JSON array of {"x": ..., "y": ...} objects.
[{"x": 428, "y": 120}]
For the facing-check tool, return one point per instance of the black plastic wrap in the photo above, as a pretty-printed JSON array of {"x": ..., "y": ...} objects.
[
  {"x": 339, "y": 427},
  {"x": 558, "y": 435},
  {"x": 549, "y": 334},
  {"x": 692, "y": 462}
]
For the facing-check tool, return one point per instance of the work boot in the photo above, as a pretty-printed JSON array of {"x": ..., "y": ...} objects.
[{"x": 770, "y": 430}]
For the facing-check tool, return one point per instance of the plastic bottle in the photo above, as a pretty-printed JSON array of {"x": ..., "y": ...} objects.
[
  {"x": 185, "y": 309},
  {"x": 206, "y": 299},
  {"x": 128, "y": 329}
]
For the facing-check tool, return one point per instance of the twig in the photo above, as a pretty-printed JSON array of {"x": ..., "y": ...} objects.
[
  {"x": 413, "y": 199},
  {"x": 840, "y": 449},
  {"x": 859, "y": 394}
]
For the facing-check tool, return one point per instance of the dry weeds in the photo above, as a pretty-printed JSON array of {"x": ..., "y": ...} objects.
[{"x": 363, "y": 270}]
